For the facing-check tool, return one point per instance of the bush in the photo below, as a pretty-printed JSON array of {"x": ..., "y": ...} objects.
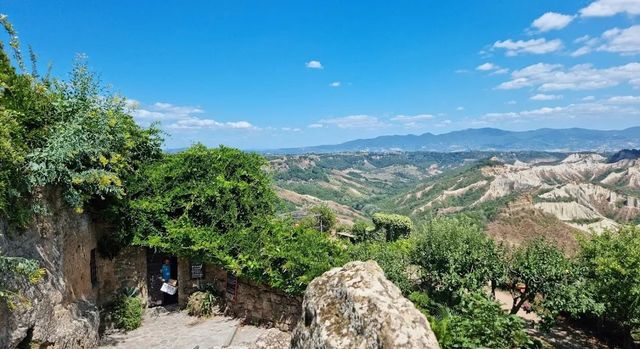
[
  {"x": 324, "y": 217},
  {"x": 362, "y": 232},
  {"x": 127, "y": 312},
  {"x": 393, "y": 225},
  {"x": 392, "y": 257},
  {"x": 201, "y": 304},
  {"x": 475, "y": 322}
]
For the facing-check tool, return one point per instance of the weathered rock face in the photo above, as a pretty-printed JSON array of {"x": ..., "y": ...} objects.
[
  {"x": 357, "y": 307},
  {"x": 63, "y": 310}
]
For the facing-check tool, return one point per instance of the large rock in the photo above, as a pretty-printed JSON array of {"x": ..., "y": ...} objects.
[{"x": 357, "y": 307}]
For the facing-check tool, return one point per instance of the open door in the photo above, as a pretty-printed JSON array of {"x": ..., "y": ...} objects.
[{"x": 155, "y": 261}]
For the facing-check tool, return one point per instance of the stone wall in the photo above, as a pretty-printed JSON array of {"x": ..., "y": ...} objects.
[
  {"x": 255, "y": 303},
  {"x": 127, "y": 269}
]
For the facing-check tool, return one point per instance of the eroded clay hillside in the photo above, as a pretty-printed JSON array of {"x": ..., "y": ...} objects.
[{"x": 516, "y": 194}]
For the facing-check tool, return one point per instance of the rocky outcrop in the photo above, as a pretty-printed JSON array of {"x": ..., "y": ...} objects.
[
  {"x": 62, "y": 311},
  {"x": 355, "y": 306}
]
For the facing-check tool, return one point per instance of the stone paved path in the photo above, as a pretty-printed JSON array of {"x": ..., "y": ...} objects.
[{"x": 177, "y": 330}]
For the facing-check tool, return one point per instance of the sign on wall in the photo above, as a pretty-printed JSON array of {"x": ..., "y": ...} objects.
[
  {"x": 232, "y": 287},
  {"x": 197, "y": 271}
]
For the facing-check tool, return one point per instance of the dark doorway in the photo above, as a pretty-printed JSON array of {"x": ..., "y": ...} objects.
[{"x": 155, "y": 260}]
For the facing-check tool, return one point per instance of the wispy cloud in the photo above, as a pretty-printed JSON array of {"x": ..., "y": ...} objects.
[
  {"x": 314, "y": 65},
  {"x": 335, "y": 84},
  {"x": 622, "y": 41},
  {"x": 315, "y": 125},
  {"x": 532, "y": 46},
  {"x": 180, "y": 117},
  {"x": 551, "y": 21},
  {"x": 544, "y": 97},
  {"x": 412, "y": 118},
  {"x": 606, "y": 8},
  {"x": 353, "y": 121},
  {"x": 554, "y": 77},
  {"x": 571, "y": 111}
]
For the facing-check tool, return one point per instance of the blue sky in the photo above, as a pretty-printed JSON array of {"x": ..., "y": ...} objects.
[{"x": 271, "y": 74}]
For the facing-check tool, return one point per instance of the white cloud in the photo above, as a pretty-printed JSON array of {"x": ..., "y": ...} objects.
[
  {"x": 160, "y": 111},
  {"x": 551, "y": 21},
  {"x": 543, "y": 97},
  {"x": 624, "y": 100},
  {"x": 487, "y": 67},
  {"x": 533, "y": 46},
  {"x": 511, "y": 102},
  {"x": 554, "y": 77},
  {"x": 571, "y": 111},
  {"x": 314, "y": 65},
  {"x": 444, "y": 123},
  {"x": 588, "y": 98},
  {"x": 199, "y": 123},
  {"x": 500, "y": 71},
  {"x": 623, "y": 41},
  {"x": 335, "y": 84},
  {"x": 291, "y": 129},
  {"x": 315, "y": 126},
  {"x": 354, "y": 121},
  {"x": 412, "y": 118},
  {"x": 460, "y": 108},
  {"x": 606, "y": 8},
  {"x": 180, "y": 117}
]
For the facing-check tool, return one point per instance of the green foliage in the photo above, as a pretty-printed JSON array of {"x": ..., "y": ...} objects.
[
  {"x": 478, "y": 322},
  {"x": 364, "y": 232},
  {"x": 217, "y": 205},
  {"x": 455, "y": 255},
  {"x": 15, "y": 274},
  {"x": 394, "y": 226},
  {"x": 127, "y": 312},
  {"x": 392, "y": 257},
  {"x": 73, "y": 135},
  {"x": 611, "y": 262},
  {"x": 553, "y": 283},
  {"x": 474, "y": 322},
  {"x": 324, "y": 217},
  {"x": 201, "y": 304}
]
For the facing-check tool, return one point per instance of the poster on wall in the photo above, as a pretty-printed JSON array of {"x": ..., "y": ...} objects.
[
  {"x": 197, "y": 271},
  {"x": 232, "y": 287}
]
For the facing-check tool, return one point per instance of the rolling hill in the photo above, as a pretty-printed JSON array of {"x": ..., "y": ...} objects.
[{"x": 488, "y": 139}]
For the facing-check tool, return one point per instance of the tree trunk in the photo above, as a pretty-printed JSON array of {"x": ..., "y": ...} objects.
[{"x": 517, "y": 304}]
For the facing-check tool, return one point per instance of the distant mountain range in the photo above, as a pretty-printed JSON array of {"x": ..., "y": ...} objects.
[{"x": 488, "y": 139}]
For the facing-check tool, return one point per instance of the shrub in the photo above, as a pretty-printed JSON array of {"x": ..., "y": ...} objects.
[
  {"x": 17, "y": 273},
  {"x": 324, "y": 217},
  {"x": 392, "y": 257},
  {"x": 362, "y": 232},
  {"x": 393, "y": 225},
  {"x": 201, "y": 304},
  {"x": 127, "y": 312}
]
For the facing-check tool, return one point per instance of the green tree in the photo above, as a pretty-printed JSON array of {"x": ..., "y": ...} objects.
[
  {"x": 394, "y": 226},
  {"x": 323, "y": 217},
  {"x": 541, "y": 274},
  {"x": 455, "y": 255},
  {"x": 611, "y": 262}
]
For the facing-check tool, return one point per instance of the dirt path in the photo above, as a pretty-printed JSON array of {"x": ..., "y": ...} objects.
[{"x": 176, "y": 329}]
